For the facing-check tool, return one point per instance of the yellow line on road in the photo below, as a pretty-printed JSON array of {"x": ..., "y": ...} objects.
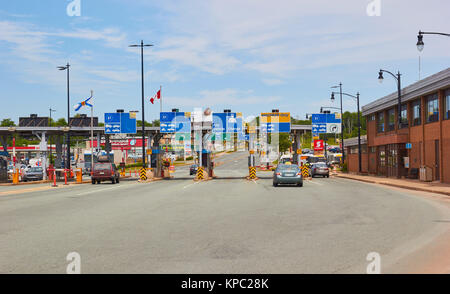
[{"x": 25, "y": 190}]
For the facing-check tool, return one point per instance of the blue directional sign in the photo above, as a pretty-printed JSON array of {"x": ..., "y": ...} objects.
[
  {"x": 227, "y": 123},
  {"x": 119, "y": 123},
  {"x": 326, "y": 123},
  {"x": 175, "y": 122}
]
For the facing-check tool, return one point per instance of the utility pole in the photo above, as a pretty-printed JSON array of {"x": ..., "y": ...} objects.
[
  {"x": 142, "y": 45},
  {"x": 67, "y": 67}
]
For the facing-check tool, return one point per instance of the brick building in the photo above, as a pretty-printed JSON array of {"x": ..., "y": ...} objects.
[{"x": 423, "y": 137}]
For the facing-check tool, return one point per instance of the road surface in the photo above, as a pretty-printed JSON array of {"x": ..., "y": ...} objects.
[{"x": 228, "y": 225}]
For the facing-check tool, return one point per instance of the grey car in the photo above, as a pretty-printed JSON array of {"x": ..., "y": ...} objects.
[
  {"x": 34, "y": 174},
  {"x": 287, "y": 174},
  {"x": 320, "y": 169}
]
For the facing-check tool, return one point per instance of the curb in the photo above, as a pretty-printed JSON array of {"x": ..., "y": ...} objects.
[{"x": 395, "y": 185}]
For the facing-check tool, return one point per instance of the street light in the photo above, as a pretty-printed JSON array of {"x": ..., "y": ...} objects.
[
  {"x": 397, "y": 77},
  {"x": 67, "y": 67},
  {"x": 342, "y": 119},
  {"x": 359, "y": 127},
  {"x": 50, "y": 124},
  {"x": 420, "y": 44},
  {"x": 142, "y": 45}
]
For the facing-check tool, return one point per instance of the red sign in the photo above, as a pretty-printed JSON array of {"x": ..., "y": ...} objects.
[{"x": 318, "y": 145}]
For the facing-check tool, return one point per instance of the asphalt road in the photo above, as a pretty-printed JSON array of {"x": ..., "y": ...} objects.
[{"x": 228, "y": 225}]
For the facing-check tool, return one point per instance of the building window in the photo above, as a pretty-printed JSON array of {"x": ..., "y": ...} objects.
[
  {"x": 447, "y": 104},
  {"x": 391, "y": 117},
  {"x": 373, "y": 149},
  {"x": 432, "y": 108},
  {"x": 380, "y": 122},
  {"x": 372, "y": 117},
  {"x": 416, "y": 113},
  {"x": 382, "y": 158},
  {"x": 404, "y": 115}
]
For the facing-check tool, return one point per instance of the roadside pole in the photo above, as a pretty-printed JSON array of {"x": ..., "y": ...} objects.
[{"x": 92, "y": 135}]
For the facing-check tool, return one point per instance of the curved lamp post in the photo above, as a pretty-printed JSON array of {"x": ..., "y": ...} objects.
[
  {"x": 359, "y": 126},
  {"x": 397, "y": 77},
  {"x": 420, "y": 44}
]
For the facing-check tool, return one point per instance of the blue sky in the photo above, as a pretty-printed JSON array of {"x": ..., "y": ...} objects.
[{"x": 249, "y": 56}]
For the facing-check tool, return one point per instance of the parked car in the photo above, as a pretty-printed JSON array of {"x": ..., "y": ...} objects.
[
  {"x": 193, "y": 169},
  {"x": 105, "y": 171},
  {"x": 320, "y": 168},
  {"x": 287, "y": 174},
  {"x": 33, "y": 174}
]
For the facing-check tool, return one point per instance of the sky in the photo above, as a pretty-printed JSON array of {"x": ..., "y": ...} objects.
[{"x": 250, "y": 56}]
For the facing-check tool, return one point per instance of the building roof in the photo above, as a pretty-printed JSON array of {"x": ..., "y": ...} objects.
[
  {"x": 425, "y": 86},
  {"x": 354, "y": 141}
]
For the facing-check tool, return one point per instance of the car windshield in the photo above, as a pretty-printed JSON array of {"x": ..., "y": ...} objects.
[
  {"x": 285, "y": 167},
  {"x": 321, "y": 165},
  {"x": 101, "y": 166},
  {"x": 36, "y": 169}
]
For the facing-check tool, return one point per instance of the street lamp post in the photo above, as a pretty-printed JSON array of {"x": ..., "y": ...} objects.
[
  {"x": 420, "y": 44},
  {"x": 142, "y": 45},
  {"x": 359, "y": 127},
  {"x": 397, "y": 77},
  {"x": 50, "y": 124},
  {"x": 67, "y": 67},
  {"x": 342, "y": 120}
]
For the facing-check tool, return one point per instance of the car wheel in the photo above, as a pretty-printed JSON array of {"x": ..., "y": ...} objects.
[
  {"x": 93, "y": 182},
  {"x": 98, "y": 182},
  {"x": 113, "y": 180},
  {"x": 300, "y": 185},
  {"x": 117, "y": 180},
  {"x": 275, "y": 184},
  {"x": 328, "y": 176}
]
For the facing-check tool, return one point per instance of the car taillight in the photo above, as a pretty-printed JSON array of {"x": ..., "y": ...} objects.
[
  {"x": 299, "y": 173},
  {"x": 278, "y": 174}
]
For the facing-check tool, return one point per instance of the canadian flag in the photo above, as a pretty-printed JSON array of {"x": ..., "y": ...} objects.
[{"x": 157, "y": 96}]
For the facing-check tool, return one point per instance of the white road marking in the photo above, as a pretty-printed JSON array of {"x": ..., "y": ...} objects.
[
  {"x": 100, "y": 190},
  {"x": 190, "y": 185},
  {"x": 317, "y": 183}
]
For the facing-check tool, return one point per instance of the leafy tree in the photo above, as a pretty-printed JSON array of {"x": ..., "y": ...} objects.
[
  {"x": 300, "y": 121},
  {"x": 7, "y": 122},
  {"x": 284, "y": 142},
  {"x": 61, "y": 122}
]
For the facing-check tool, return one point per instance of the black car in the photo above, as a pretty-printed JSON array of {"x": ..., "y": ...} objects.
[{"x": 193, "y": 169}]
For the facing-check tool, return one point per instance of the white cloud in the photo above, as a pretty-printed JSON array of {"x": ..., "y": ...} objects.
[
  {"x": 273, "y": 82},
  {"x": 223, "y": 97}
]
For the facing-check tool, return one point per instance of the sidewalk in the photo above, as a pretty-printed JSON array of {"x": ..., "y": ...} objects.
[{"x": 432, "y": 187}]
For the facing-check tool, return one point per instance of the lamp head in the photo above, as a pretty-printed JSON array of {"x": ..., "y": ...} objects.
[
  {"x": 420, "y": 43},
  {"x": 380, "y": 76}
]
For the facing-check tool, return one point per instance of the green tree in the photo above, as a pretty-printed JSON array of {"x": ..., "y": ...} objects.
[
  {"x": 61, "y": 122},
  {"x": 7, "y": 122},
  {"x": 284, "y": 142}
]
